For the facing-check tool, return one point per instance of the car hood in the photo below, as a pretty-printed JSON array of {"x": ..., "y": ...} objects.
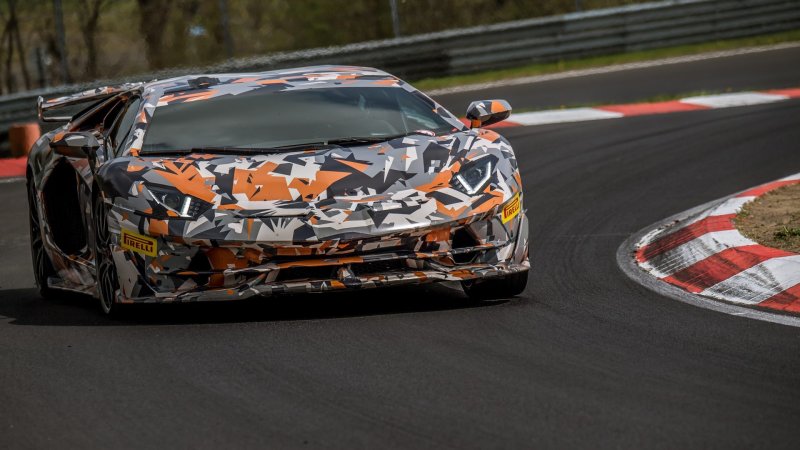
[{"x": 355, "y": 191}]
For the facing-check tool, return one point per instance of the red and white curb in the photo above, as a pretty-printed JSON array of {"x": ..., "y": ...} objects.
[
  {"x": 701, "y": 252},
  {"x": 640, "y": 109}
]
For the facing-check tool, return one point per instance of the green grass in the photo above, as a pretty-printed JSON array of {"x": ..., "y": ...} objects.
[
  {"x": 560, "y": 66},
  {"x": 787, "y": 232}
]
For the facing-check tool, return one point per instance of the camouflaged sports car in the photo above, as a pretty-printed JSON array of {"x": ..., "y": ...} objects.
[{"x": 305, "y": 180}]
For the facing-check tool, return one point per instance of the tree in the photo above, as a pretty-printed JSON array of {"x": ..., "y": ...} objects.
[
  {"x": 12, "y": 41},
  {"x": 153, "y": 18},
  {"x": 89, "y": 20}
]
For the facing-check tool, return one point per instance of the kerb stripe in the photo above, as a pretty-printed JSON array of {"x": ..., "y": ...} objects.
[
  {"x": 725, "y": 264},
  {"x": 684, "y": 235},
  {"x": 788, "y": 300}
]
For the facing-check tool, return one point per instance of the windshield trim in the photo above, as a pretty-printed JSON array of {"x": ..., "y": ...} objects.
[{"x": 151, "y": 97}]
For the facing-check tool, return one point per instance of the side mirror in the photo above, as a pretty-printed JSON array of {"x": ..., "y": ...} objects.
[
  {"x": 75, "y": 144},
  {"x": 487, "y": 112}
]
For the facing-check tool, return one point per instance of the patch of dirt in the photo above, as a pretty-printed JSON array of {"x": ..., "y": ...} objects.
[{"x": 773, "y": 219}]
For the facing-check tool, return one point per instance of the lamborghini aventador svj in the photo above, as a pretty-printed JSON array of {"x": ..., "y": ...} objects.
[{"x": 230, "y": 186}]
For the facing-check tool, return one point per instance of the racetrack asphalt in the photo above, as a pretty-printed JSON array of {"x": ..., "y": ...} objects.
[
  {"x": 755, "y": 71},
  {"x": 585, "y": 358}
]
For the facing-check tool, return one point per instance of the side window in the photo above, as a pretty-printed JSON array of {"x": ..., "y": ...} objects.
[
  {"x": 416, "y": 112},
  {"x": 111, "y": 116},
  {"x": 123, "y": 126},
  {"x": 100, "y": 117}
]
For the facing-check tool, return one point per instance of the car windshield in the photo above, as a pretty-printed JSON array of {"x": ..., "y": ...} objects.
[{"x": 272, "y": 120}]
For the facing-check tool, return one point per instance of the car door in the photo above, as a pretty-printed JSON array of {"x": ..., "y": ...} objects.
[{"x": 67, "y": 194}]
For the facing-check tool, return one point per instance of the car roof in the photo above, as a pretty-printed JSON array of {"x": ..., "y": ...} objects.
[
  {"x": 294, "y": 78},
  {"x": 321, "y": 72}
]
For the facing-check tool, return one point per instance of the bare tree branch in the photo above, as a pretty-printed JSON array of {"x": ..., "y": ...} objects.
[
  {"x": 15, "y": 36},
  {"x": 89, "y": 19},
  {"x": 153, "y": 17}
]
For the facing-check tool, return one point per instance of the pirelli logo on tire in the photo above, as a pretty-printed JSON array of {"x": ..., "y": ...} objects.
[
  {"x": 511, "y": 209},
  {"x": 138, "y": 243}
]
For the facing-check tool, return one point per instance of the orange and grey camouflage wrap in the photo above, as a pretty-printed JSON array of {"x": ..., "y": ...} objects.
[{"x": 305, "y": 221}]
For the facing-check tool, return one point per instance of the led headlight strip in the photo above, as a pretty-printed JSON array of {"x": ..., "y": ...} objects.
[
  {"x": 172, "y": 200},
  {"x": 474, "y": 178}
]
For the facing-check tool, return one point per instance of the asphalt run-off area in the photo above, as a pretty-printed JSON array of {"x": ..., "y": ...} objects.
[{"x": 586, "y": 356}]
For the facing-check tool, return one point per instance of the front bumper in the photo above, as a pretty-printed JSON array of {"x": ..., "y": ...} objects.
[
  {"x": 184, "y": 271},
  {"x": 262, "y": 288}
]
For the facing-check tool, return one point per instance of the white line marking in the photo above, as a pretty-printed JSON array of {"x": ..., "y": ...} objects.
[
  {"x": 561, "y": 116},
  {"x": 737, "y": 99},
  {"x": 609, "y": 69},
  {"x": 584, "y": 114},
  {"x": 791, "y": 177},
  {"x": 732, "y": 206}
]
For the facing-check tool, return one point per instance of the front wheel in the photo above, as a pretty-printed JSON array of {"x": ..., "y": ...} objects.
[
  {"x": 495, "y": 288},
  {"x": 105, "y": 270}
]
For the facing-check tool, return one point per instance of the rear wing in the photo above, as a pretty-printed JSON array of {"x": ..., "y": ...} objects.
[{"x": 92, "y": 95}]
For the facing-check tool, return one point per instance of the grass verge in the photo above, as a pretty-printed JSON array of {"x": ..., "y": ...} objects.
[
  {"x": 773, "y": 219},
  {"x": 599, "y": 61}
]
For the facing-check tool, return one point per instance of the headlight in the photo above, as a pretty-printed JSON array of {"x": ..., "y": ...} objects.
[
  {"x": 473, "y": 177},
  {"x": 181, "y": 204}
]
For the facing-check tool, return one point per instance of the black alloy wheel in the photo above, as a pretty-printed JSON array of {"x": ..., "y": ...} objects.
[{"x": 106, "y": 271}]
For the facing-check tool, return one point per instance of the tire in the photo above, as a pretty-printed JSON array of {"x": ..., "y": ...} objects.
[
  {"x": 42, "y": 266},
  {"x": 105, "y": 270},
  {"x": 496, "y": 288}
]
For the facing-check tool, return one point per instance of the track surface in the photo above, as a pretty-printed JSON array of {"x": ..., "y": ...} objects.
[
  {"x": 586, "y": 357},
  {"x": 766, "y": 70}
]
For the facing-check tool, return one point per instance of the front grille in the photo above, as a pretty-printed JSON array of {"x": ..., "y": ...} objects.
[
  {"x": 463, "y": 239},
  {"x": 200, "y": 263},
  {"x": 306, "y": 273},
  {"x": 379, "y": 267},
  {"x": 231, "y": 269}
]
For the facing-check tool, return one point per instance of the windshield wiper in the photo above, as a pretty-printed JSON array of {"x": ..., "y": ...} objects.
[
  {"x": 353, "y": 140},
  {"x": 236, "y": 150},
  {"x": 221, "y": 150},
  {"x": 248, "y": 150},
  {"x": 369, "y": 139}
]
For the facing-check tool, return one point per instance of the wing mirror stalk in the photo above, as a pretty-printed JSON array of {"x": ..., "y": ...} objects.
[{"x": 76, "y": 144}]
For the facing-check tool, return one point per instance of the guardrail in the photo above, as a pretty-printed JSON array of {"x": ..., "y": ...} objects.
[{"x": 598, "y": 32}]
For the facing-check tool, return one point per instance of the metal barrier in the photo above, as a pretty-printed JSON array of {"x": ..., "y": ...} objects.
[{"x": 598, "y": 32}]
